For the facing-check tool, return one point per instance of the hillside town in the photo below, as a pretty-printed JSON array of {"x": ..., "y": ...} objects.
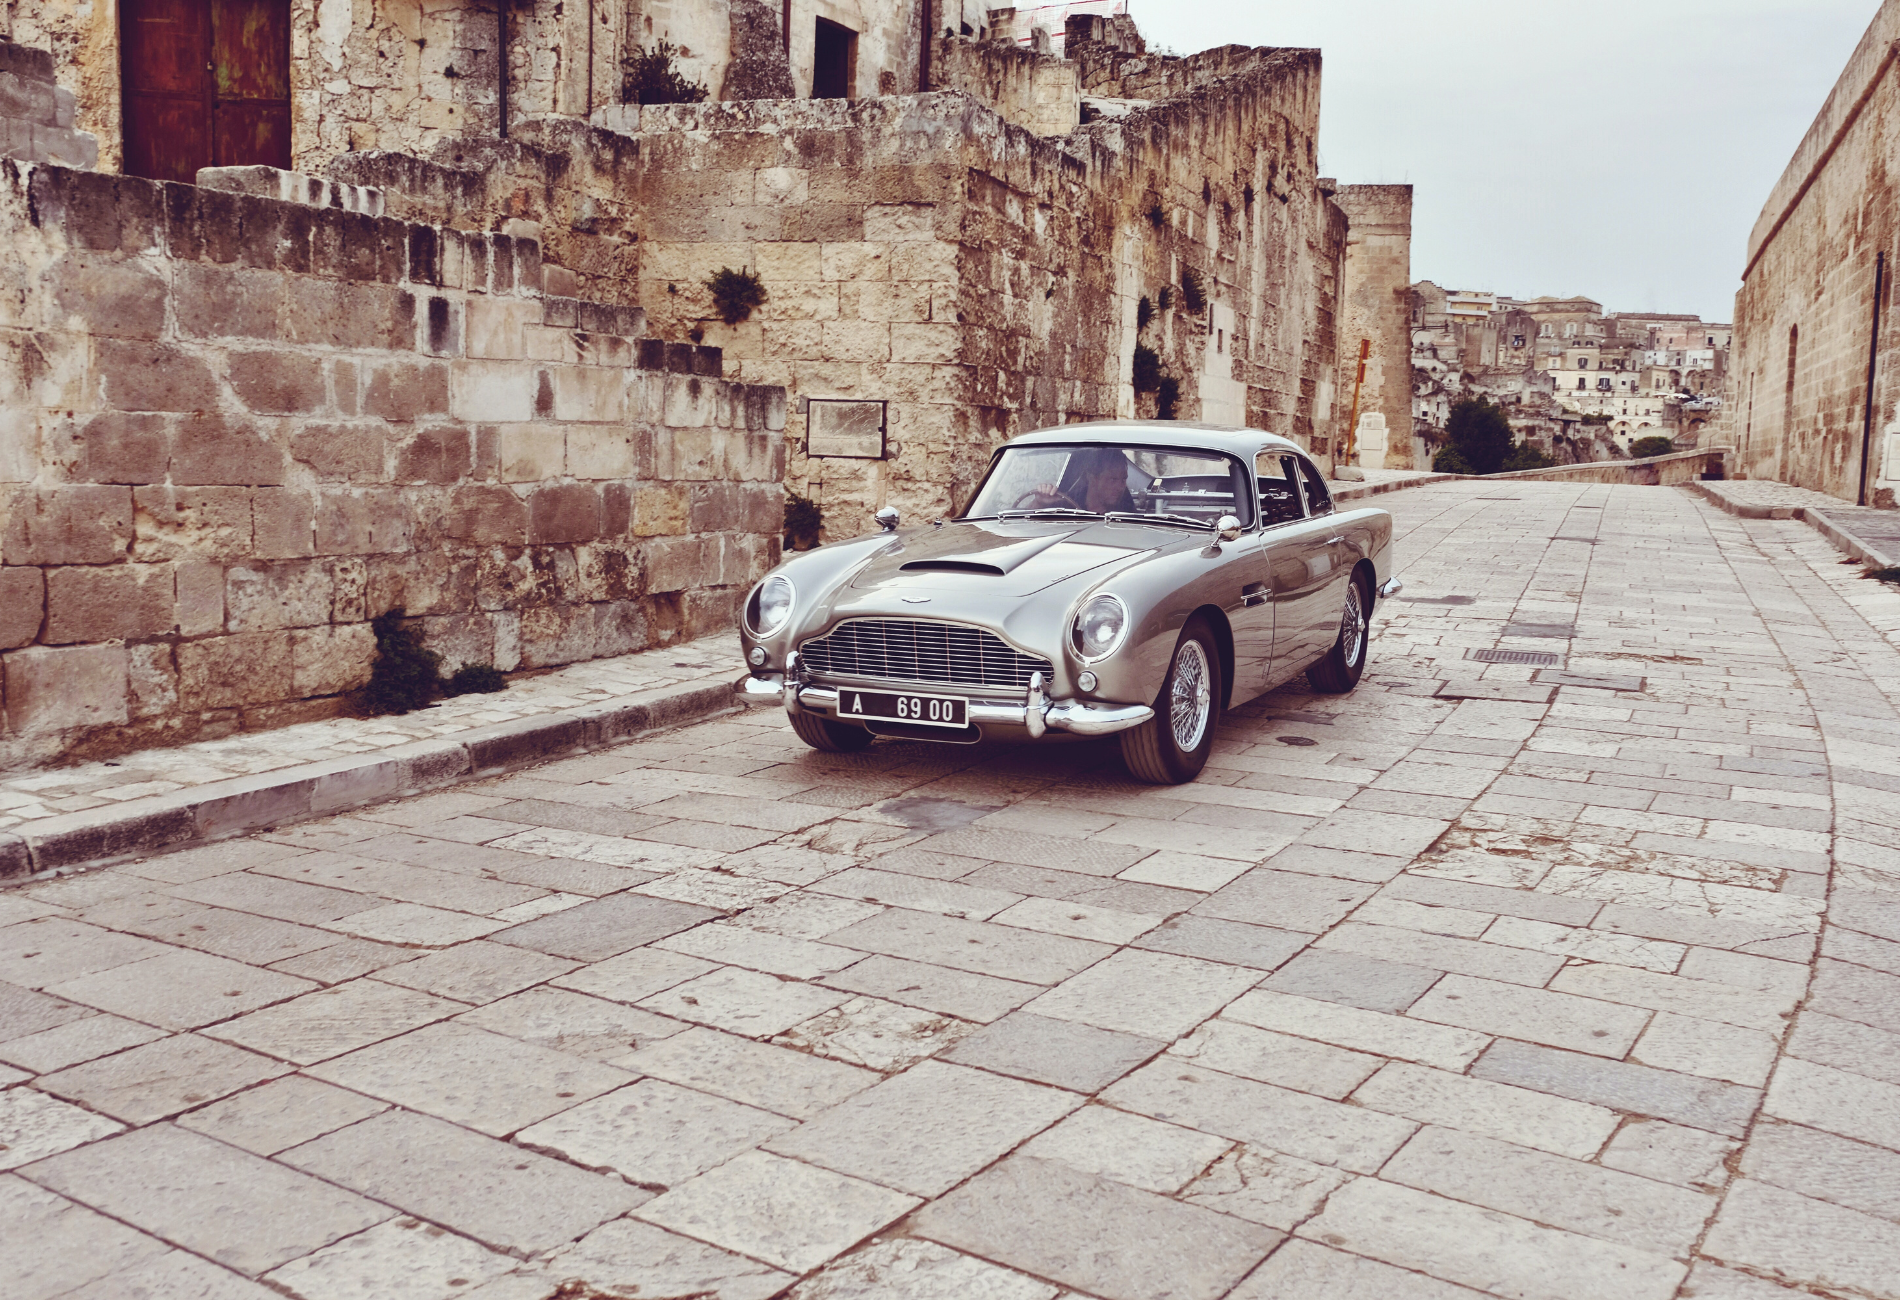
[{"x": 888, "y": 650}]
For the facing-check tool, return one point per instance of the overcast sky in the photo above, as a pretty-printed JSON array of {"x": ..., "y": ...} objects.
[{"x": 1618, "y": 149}]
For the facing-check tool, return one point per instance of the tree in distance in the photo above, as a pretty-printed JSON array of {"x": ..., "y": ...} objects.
[
  {"x": 1650, "y": 446},
  {"x": 1480, "y": 438}
]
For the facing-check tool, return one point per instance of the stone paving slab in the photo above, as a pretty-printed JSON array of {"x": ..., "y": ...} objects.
[
  {"x": 160, "y": 798},
  {"x": 1583, "y": 996}
]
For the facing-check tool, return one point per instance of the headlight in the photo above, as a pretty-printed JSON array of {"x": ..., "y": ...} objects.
[
  {"x": 1099, "y": 628},
  {"x": 770, "y": 606}
]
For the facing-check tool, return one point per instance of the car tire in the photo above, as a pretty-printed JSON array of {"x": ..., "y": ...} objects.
[
  {"x": 1340, "y": 670},
  {"x": 831, "y": 737},
  {"x": 1172, "y": 747}
]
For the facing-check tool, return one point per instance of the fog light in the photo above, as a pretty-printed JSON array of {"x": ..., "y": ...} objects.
[
  {"x": 1086, "y": 681},
  {"x": 757, "y": 657}
]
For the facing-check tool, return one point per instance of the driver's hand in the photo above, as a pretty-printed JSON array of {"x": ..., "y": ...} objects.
[{"x": 1047, "y": 491}]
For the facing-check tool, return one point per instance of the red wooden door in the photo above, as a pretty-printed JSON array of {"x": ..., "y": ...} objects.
[{"x": 206, "y": 84}]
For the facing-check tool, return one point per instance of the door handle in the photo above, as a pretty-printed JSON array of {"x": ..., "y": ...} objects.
[{"x": 1334, "y": 541}]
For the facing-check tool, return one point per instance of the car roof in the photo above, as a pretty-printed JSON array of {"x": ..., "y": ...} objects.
[{"x": 1167, "y": 433}]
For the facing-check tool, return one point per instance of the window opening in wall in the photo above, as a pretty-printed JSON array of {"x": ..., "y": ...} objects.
[
  {"x": 834, "y": 65},
  {"x": 206, "y": 84}
]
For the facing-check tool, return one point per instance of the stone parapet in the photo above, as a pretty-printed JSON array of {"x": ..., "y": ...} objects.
[{"x": 234, "y": 428}]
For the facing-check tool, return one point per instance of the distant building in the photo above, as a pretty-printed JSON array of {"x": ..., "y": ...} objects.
[{"x": 1577, "y": 382}]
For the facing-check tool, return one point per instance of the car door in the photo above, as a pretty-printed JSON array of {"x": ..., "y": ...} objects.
[
  {"x": 1307, "y": 580},
  {"x": 1278, "y": 499}
]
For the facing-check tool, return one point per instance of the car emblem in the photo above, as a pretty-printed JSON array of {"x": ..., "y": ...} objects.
[{"x": 916, "y": 600}]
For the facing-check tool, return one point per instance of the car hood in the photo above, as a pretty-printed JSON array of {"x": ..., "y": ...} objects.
[{"x": 1006, "y": 557}]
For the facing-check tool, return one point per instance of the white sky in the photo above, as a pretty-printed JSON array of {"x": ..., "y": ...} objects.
[{"x": 1618, "y": 149}]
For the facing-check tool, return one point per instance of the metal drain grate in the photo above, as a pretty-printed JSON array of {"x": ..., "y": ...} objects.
[{"x": 1542, "y": 658}]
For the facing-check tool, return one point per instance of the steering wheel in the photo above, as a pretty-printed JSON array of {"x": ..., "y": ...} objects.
[{"x": 1059, "y": 494}]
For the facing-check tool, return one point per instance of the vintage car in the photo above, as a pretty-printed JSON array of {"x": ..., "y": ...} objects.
[{"x": 1120, "y": 578}]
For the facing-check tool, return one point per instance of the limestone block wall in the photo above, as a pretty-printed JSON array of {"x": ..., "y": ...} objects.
[
  {"x": 923, "y": 251},
  {"x": 1796, "y": 402},
  {"x": 1375, "y": 306},
  {"x": 37, "y": 114},
  {"x": 1041, "y": 94},
  {"x": 233, "y": 429}
]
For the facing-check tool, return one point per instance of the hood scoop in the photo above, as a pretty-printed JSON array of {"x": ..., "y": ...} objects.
[
  {"x": 954, "y": 566},
  {"x": 990, "y": 554}
]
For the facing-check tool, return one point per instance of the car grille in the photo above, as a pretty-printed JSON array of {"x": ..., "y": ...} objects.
[{"x": 911, "y": 650}]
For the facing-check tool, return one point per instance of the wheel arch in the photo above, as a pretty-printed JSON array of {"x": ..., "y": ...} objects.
[
  {"x": 1224, "y": 642},
  {"x": 1365, "y": 571}
]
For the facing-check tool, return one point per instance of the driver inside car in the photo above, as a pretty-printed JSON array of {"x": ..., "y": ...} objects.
[{"x": 1101, "y": 483}]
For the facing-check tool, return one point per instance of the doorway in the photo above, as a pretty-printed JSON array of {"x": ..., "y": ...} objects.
[
  {"x": 206, "y": 84},
  {"x": 834, "y": 64}
]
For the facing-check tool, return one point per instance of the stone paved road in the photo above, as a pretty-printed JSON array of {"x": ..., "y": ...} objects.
[{"x": 1443, "y": 988}]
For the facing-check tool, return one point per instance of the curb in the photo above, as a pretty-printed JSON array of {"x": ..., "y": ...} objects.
[
  {"x": 219, "y": 809},
  {"x": 1844, "y": 539}
]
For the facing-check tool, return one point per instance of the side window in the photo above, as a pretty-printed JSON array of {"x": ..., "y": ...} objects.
[
  {"x": 1318, "y": 500},
  {"x": 1279, "y": 495}
]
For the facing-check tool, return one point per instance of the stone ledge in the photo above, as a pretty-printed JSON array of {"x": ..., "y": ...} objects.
[
  {"x": 1876, "y": 555},
  {"x": 99, "y": 836}
]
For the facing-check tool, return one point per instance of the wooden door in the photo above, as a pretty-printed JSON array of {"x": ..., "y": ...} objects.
[{"x": 206, "y": 84}]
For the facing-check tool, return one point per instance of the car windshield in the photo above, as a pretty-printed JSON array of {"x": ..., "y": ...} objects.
[{"x": 1057, "y": 480}]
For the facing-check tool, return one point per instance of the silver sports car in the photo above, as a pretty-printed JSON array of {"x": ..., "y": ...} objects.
[{"x": 1119, "y": 577}]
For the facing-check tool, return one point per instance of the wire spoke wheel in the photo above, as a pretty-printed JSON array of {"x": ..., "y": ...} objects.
[
  {"x": 1192, "y": 699},
  {"x": 1352, "y": 625}
]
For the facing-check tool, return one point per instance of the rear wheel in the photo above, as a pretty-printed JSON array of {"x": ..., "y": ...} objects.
[
  {"x": 831, "y": 737},
  {"x": 1172, "y": 747},
  {"x": 1339, "y": 671}
]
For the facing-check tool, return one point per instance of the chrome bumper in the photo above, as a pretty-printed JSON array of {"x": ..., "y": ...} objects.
[
  {"x": 1081, "y": 717},
  {"x": 1391, "y": 588}
]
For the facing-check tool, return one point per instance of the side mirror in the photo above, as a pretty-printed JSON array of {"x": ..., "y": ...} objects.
[
  {"x": 887, "y": 519},
  {"x": 1228, "y": 527}
]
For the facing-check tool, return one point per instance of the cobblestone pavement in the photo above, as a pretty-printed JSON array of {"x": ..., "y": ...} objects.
[{"x": 1577, "y": 982}]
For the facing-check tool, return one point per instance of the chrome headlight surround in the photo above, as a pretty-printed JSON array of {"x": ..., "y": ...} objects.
[
  {"x": 1098, "y": 628},
  {"x": 769, "y": 608}
]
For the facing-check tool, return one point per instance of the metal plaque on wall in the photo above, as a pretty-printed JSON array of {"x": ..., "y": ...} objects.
[{"x": 844, "y": 428}]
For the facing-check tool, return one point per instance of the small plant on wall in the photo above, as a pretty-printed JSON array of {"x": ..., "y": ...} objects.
[
  {"x": 1144, "y": 313},
  {"x": 1167, "y": 397},
  {"x": 1193, "y": 290},
  {"x": 735, "y": 294},
  {"x": 803, "y": 520},
  {"x": 649, "y": 77},
  {"x": 1147, "y": 373}
]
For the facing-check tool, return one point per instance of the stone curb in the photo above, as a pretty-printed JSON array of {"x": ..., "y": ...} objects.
[
  {"x": 1844, "y": 539},
  {"x": 98, "y": 836}
]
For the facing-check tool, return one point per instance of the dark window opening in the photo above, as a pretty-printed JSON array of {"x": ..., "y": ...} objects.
[
  {"x": 205, "y": 85},
  {"x": 834, "y": 63}
]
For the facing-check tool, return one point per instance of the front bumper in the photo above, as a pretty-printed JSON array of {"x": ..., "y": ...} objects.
[{"x": 1033, "y": 716}]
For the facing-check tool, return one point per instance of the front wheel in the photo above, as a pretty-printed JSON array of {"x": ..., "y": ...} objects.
[
  {"x": 1172, "y": 747},
  {"x": 831, "y": 737},
  {"x": 1339, "y": 671}
]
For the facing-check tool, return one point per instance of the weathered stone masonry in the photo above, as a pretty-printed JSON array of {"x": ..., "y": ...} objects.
[{"x": 235, "y": 428}]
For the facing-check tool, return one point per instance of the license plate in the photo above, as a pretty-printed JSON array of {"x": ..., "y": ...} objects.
[{"x": 923, "y": 710}]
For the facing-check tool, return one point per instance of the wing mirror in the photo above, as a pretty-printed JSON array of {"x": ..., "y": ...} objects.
[
  {"x": 887, "y": 518},
  {"x": 1228, "y": 526}
]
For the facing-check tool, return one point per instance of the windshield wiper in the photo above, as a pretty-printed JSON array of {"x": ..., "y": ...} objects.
[
  {"x": 1136, "y": 517},
  {"x": 1059, "y": 512}
]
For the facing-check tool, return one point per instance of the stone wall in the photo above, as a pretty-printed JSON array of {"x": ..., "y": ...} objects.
[
  {"x": 1375, "y": 306},
  {"x": 1036, "y": 92},
  {"x": 925, "y": 252},
  {"x": 37, "y": 114},
  {"x": 1796, "y": 407},
  {"x": 233, "y": 429}
]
